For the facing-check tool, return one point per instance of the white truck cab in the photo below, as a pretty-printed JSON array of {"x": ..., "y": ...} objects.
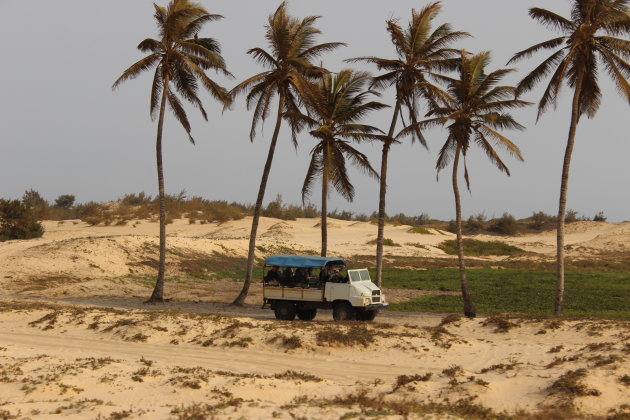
[{"x": 350, "y": 296}]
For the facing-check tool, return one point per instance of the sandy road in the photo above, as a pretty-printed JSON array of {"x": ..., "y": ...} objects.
[
  {"x": 221, "y": 308},
  {"x": 338, "y": 368}
]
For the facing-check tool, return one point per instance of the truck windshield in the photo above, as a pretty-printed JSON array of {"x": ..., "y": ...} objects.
[{"x": 359, "y": 275}]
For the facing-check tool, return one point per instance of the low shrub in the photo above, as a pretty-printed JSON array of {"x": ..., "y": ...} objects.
[
  {"x": 504, "y": 225},
  {"x": 475, "y": 223},
  {"x": 571, "y": 216},
  {"x": 65, "y": 201},
  {"x": 17, "y": 221},
  {"x": 542, "y": 220},
  {"x": 599, "y": 217}
]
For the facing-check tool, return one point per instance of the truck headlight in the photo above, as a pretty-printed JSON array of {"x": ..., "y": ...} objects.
[{"x": 367, "y": 300}]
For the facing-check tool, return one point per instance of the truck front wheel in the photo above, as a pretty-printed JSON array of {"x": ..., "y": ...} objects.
[
  {"x": 343, "y": 311},
  {"x": 285, "y": 311},
  {"x": 307, "y": 314},
  {"x": 367, "y": 315}
]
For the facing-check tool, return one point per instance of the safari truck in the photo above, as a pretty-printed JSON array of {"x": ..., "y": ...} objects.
[{"x": 299, "y": 285}]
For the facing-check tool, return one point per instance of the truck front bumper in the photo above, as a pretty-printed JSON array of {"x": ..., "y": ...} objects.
[{"x": 375, "y": 306}]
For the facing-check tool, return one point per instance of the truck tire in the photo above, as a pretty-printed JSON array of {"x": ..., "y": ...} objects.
[
  {"x": 307, "y": 314},
  {"x": 367, "y": 315},
  {"x": 343, "y": 311},
  {"x": 285, "y": 310}
]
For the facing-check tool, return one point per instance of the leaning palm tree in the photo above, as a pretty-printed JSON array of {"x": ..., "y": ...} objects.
[
  {"x": 292, "y": 49},
  {"x": 420, "y": 52},
  {"x": 336, "y": 105},
  {"x": 180, "y": 58},
  {"x": 589, "y": 41},
  {"x": 473, "y": 113}
]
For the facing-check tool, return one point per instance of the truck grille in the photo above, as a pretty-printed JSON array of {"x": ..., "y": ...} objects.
[
  {"x": 376, "y": 299},
  {"x": 376, "y": 292}
]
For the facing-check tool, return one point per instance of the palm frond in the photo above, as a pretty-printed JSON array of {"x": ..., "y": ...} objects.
[
  {"x": 136, "y": 68},
  {"x": 551, "y": 19},
  {"x": 540, "y": 72},
  {"x": 491, "y": 153},
  {"x": 500, "y": 140},
  {"x": 156, "y": 91},
  {"x": 151, "y": 45},
  {"x": 528, "y": 52},
  {"x": 179, "y": 113},
  {"x": 313, "y": 171}
]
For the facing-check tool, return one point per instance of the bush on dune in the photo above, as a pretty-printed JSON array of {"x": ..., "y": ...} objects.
[{"x": 17, "y": 221}]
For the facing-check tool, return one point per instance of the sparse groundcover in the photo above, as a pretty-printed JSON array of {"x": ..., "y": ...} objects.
[
  {"x": 474, "y": 247},
  {"x": 386, "y": 242},
  {"x": 417, "y": 245},
  {"x": 420, "y": 230},
  {"x": 588, "y": 294}
]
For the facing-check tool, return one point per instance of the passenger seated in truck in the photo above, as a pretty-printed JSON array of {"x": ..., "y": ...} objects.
[
  {"x": 287, "y": 278},
  {"x": 300, "y": 278},
  {"x": 323, "y": 275},
  {"x": 273, "y": 276}
]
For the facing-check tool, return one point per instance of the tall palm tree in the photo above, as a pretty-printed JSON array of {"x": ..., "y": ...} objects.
[
  {"x": 336, "y": 105},
  {"x": 590, "y": 40},
  {"x": 420, "y": 52},
  {"x": 292, "y": 49},
  {"x": 475, "y": 110},
  {"x": 180, "y": 59}
]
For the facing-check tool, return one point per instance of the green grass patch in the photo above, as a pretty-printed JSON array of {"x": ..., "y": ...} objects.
[
  {"x": 421, "y": 230},
  {"x": 417, "y": 245},
  {"x": 473, "y": 247},
  {"x": 587, "y": 294},
  {"x": 386, "y": 242}
]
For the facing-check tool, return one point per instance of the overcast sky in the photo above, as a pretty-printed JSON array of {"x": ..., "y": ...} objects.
[{"x": 63, "y": 130}]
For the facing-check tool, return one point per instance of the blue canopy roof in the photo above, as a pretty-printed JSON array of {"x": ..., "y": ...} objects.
[{"x": 299, "y": 261}]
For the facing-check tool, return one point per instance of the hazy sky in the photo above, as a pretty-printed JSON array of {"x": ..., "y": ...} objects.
[{"x": 63, "y": 130}]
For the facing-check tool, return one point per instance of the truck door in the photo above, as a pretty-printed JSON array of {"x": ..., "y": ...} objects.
[{"x": 337, "y": 291}]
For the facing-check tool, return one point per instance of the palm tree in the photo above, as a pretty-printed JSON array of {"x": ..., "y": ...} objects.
[
  {"x": 589, "y": 42},
  {"x": 475, "y": 110},
  {"x": 420, "y": 52},
  {"x": 335, "y": 106},
  {"x": 180, "y": 58},
  {"x": 292, "y": 47}
]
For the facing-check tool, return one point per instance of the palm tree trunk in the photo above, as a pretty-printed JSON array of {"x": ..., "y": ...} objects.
[
  {"x": 324, "y": 221},
  {"x": 251, "y": 255},
  {"x": 469, "y": 308},
  {"x": 158, "y": 291},
  {"x": 381, "y": 199},
  {"x": 564, "y": 186}
]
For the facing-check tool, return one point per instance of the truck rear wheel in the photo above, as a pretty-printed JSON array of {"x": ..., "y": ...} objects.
[
  {"x": 367, "y": 315},
  {"x": 343, "y": 311},
  {"x": 285, "y": 310},
  {"x": 307, "y": 314}
]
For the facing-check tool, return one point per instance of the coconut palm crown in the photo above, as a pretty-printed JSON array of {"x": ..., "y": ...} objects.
[
  {"x": 590, "y": 41},
  {"x": 336, "y": 105},
  {"x": 473, "y": 114},
  {"x": 420, "y": 51},
  {"x": 180, "y": 59},
  {"x": 288, "y": 61}
]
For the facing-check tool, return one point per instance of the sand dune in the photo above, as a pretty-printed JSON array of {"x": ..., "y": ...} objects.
[{"x": 77, "y": 342}]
